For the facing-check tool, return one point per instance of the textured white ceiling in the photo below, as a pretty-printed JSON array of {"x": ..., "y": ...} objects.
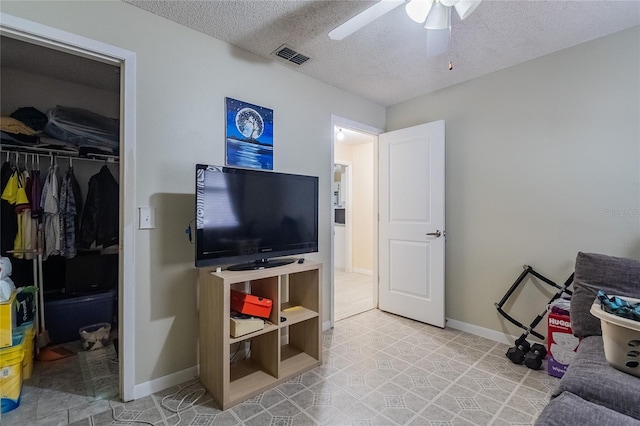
[{"x": 385, "y": 61}]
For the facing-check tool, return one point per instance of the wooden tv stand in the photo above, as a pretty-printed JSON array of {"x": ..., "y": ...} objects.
[{"x": 280, "y": 351}]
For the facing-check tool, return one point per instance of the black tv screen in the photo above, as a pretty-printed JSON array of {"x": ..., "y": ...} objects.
[{"x": 246, "y": 217}]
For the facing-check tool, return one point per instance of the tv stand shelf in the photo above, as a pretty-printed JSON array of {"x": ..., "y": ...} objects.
[{"x": 289, "y": 344}]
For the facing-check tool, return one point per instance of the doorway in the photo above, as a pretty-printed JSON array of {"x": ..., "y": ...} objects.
[
  {"x": 55, "y": 39},
  {"x": 394, "y": 268},
  {"x": 353, "y": 214}
]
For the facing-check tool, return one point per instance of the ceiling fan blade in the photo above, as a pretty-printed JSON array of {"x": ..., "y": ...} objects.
[
  {"x": 363, "y": 18},
  {"x": 465, "y": 7},
  {"x": 438, "y": 41}
]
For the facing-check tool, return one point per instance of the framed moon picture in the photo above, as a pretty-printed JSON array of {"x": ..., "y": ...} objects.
[{"x": 249, "y": 135}]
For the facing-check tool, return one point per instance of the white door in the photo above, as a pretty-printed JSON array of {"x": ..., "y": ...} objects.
[{"x": 411, "y": 209}]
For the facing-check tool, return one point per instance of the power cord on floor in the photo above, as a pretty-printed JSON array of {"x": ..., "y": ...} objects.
[
  {"x": 118, "y": 419},
  {"x": 193, "y": 396}
]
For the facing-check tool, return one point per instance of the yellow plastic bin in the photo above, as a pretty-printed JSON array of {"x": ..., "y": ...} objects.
[
  {"x": 11, "y": 374},
  {"x": 7, "y": 321},
  {"x": 29, "y": 331}
]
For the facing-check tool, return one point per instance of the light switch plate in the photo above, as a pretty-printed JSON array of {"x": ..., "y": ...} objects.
[{"x": 147, "y": 218}]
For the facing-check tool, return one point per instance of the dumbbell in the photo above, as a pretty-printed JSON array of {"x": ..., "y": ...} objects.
[
  {"x": 517, "y": 353},
  {"x": 533, "y": 358}
]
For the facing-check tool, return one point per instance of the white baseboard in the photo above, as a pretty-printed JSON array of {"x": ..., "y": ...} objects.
[
  {"x": 162, "y": 383},
  {"x": 481, "y": 331},
  {"x": 363, "y": 271}
]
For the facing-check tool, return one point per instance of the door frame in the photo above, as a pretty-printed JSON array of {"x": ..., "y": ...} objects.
[
  {"x": 338, "y": 121},
  {"x": 54, "y": 38}
]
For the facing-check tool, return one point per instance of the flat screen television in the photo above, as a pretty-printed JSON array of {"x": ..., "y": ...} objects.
[{"x": 249, "y": 219}]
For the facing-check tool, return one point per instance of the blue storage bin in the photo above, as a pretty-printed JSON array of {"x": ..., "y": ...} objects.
[{"x": 64, "y": 317}]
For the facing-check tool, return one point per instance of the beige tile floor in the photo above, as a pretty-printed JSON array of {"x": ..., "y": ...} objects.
[
  {"x": 353, "y": 293},
  {"x": 378, "y": 369}
]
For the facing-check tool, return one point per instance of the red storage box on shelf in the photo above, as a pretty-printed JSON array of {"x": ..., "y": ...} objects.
[{"x": 249, "y": 304}]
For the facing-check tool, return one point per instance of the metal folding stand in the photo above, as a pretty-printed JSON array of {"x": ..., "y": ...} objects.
[{"x": 530, "y": 329}]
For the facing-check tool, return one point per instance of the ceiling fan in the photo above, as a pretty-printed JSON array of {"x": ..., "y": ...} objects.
[{"x": 434, "y": 14}]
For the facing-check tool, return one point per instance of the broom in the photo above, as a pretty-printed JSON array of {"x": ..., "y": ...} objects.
[
  {"x": 44, "y": 352},
  {"x": 43, "y": 334}
]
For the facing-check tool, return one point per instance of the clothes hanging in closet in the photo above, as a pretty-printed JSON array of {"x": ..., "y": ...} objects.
[
  {"x": 69, "y": 208},
  {"x": 8, "y": 216},
  {"x": 100, "y": 219},
  {"x": 50, "y": 212},
  {"x": 27, "y": 228},
  {"x": 17, "y": 210},
  {"x": 36, "y": 193},
  {"x": 47, "y": 213}
]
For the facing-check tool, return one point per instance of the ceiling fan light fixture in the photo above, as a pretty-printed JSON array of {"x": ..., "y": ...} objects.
[
  {"x": 439, "y": 18},
  {"x": 449, "y": 3},
  {"x": 438, "y": 42},
  {"x": 466, "y": 7},
  {"x": 418, "y": 10}
]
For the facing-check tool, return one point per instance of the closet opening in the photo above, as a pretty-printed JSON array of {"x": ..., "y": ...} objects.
[
  {"x": 83, "y": 97},
  {"x": 61, "y": 145}
]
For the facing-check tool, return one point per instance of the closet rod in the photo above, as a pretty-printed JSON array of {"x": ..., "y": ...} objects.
[{"x": 40, "y": 152}]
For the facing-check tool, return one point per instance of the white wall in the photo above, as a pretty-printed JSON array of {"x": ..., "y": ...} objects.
[
  {"x": 362, "y": 197},
  {"x": 361, "y": 157},
  {"x": 542, "y": 160},
  {"x": 22, "y": 89},
  {"x": 183, "y": 78}
]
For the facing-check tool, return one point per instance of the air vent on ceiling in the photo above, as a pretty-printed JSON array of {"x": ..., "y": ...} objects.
[{"x": 288, "y": 54}]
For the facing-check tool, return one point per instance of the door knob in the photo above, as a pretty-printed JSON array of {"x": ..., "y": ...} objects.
[{"x": 434, "y": 234}]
